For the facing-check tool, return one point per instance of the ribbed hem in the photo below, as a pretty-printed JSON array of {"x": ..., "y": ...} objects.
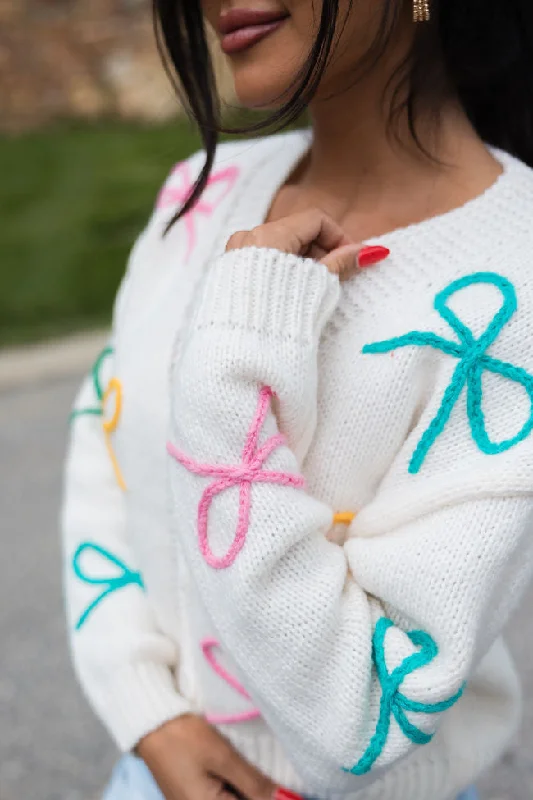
[
  {"x": 265, "y": 752},
  {"x": 267, "y": 291},
  {"x": 143, "y": 697},
  {"x": 426, "y": 775}
]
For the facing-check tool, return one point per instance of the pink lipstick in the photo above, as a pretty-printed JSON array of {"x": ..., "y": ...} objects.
[{"x": 241, "y": 28}]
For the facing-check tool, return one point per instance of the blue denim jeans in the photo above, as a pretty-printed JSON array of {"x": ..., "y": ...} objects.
[{"x": 131, "y": 780}]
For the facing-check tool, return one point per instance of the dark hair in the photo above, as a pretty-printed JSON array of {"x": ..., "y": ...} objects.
[{"x": 481, "y": 51}]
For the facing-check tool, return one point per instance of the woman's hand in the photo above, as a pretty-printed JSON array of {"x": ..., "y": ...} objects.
[
  {"x": 312, "y": 234},
  {"x": 190, "y": 760}
]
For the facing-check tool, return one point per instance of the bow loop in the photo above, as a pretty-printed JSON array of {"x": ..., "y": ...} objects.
[
  {"x": 208, "y": 646},
  {"x": 500, "y": 319},
  {"x": 111, "y": 583}
]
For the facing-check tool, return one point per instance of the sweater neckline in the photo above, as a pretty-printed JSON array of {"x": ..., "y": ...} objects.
[{"x": 288, "y": 149}]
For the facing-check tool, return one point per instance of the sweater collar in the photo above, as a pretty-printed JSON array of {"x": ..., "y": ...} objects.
[{"x": 280, "y": 154}]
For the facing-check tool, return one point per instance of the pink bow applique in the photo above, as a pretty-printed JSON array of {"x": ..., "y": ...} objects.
[
  {"x": 208, "y": 645},
  {"x": 177, "y": 189},
  {"x": 243, "y": 475}
]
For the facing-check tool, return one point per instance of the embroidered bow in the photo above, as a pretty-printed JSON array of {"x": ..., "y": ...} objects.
[
  {"x": 96, "y": 372},
  {"x": 473, "y": 361},
  {"x": 243, "y": 475},
  {"x": 113, "y": 389},
  {"x": 178, "y": 188},
  {"x": 208, "y": 645},
  {"x": 393, "y": 702},
  {"x": 110, "y": 584}
]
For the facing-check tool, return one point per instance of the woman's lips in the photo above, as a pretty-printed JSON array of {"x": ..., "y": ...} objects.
[
  {"x": 243, "y": 38},
  {"x": 242, "y": 28}
]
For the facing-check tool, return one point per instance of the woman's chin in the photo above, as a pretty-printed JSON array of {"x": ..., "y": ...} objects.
[
  {"x": 261, "y": 106},
  {"x": 254, "y": 94}
]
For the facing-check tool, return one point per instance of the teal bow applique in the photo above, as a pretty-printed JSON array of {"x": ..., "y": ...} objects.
[
  {"x": 393, "y": 702},
  {"x": 98, "y": 389},
  {"x": 473, "y": 361},
  {"x": 110, "y": 584}
]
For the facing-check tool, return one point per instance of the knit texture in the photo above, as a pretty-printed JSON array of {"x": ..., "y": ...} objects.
[{"x": 260, "y": 403}]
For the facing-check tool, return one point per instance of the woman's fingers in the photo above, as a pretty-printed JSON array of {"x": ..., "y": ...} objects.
[
  {"x": 317, "y": 228},
  {"x": 190, "y": 759},
  {"x": 315, "y": 252},
  {"x": 294, "y": 234},
  {"x": 312, "y": 234},
  {"x": 343, "y": 261},
  {"x": 241, "y": 775}
]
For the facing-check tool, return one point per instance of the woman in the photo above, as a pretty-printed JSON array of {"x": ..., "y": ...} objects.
[{"x": 289, "y": 567}]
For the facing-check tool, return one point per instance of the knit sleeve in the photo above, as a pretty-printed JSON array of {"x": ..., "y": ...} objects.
[
  {"x": 124, "y": 663},
  {"x": 352, "y": 653}
]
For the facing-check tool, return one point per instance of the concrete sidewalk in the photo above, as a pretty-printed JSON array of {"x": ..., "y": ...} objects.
[{"x": 51, "y": 360}]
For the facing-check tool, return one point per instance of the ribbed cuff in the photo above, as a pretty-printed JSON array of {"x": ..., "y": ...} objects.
[
  {"x": 142, "y": 698},
  {"x": 267, "y": 291}
]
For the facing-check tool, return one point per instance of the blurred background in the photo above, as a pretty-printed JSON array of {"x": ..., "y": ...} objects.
[{"x": 89, "y": 128}]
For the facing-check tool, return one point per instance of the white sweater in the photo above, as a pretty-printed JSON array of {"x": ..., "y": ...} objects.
[{"x": 247, "y": 398}]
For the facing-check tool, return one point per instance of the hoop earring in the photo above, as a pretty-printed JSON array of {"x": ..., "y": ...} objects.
[{"x": 421, "y": 11}]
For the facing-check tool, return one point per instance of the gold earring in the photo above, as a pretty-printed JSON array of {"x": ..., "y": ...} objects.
[{"x": 421, "y": 11}]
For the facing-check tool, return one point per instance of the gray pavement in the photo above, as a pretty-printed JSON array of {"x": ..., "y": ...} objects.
[{"x": 51, "y": 748}]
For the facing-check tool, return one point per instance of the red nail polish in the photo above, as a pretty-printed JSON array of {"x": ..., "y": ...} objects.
[
  {"x": 372, "y": 254},
  {"x": 285, "y": 794}
]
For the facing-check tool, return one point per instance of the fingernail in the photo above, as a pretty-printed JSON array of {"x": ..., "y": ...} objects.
[
  {"x": 285, "y": 794},
  {"x": 372, "y": 254}
]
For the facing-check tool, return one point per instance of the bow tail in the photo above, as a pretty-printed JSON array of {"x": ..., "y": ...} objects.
[
  {"x": 408, "y": 729},
  {"x": 85, "y": 412},
  {"x": 414, "y": 339},
  {"x": 92, "y": 606},
  {"x": 437, "y": 424},
  {"x": 377, "y": 743},
  {"x": 245, "y": 491}
]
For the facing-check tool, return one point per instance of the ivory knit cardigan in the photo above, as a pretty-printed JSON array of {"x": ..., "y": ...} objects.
[{"x": 303, "y": 508}]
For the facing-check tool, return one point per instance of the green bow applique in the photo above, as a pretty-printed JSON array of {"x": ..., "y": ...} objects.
[
  {"x": 109, "y": 426},
  {"x": 96, "y": 373},
  {"x": 473, "y": 361},
  {"x": 110, "y": 583},
  {"x": 393, "y": 702}
]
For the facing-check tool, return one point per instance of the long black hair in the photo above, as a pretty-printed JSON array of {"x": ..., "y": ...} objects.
[{"x": 480, "y": 51}]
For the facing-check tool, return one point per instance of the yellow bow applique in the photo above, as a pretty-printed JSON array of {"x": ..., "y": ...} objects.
[{"x": 105, "y": 396}]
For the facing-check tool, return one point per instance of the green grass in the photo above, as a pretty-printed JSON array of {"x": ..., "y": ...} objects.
[{"x": 72, "y": 200}]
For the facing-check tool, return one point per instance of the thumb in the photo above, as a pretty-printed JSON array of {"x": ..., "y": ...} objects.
[{"x": 343, "y": 261}]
